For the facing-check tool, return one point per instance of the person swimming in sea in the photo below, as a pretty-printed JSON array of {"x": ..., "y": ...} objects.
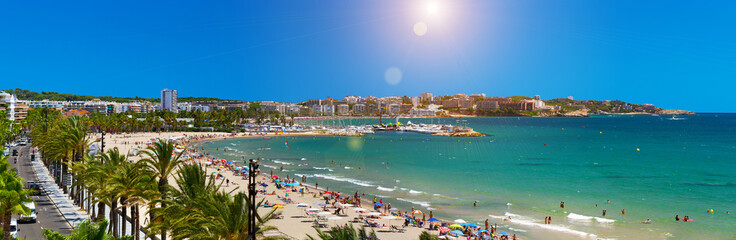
[
  {"x": 677, "y": 217},
  {"x": 648, "y": 221}
]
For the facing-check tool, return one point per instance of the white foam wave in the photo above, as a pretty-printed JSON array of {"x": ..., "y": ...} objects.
[
  {"x": 403, "y": 189},
  {"x": 517, "y": 230},
  {"x": 344, "y": 179},
  {"x": 414, "y": 192},
  {"x": 420, "y": 203},
  {"x": 604, "y": 220},
  {"x": 579, "y": 218},
  {"x": 509, "y": 204},
  {"x": 269, "y": 166},
  {"x": 303, "y": 159},
  {"x": 386, "y": 189},
  {"x": 282, "y": 162},
  {"x": 436, "y": 194},
  {"x": 348, "y": 168},
  {"x": 323, "y": 168},
  {"x": 524, "y": 221}
]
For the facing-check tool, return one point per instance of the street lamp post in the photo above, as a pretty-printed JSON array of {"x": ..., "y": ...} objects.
[{"x": 252, "y": 167}]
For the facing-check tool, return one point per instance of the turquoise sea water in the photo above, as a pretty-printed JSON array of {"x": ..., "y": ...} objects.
[{"x": 683, "y": 166}]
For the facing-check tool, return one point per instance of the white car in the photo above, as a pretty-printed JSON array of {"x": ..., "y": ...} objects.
[
  {"x": 13, "y": 228},
  {"x": 31, "y": 217}
]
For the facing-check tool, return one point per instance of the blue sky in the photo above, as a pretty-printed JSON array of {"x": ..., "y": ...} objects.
[{"x": 674, "y": 54}]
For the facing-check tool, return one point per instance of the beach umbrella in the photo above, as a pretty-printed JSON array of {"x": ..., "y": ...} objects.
[
  {"x": 456, "y": 226},
  {"x": 302, "y": 205},
  {"x": 237, "y": 169},
  {"x": 278, "y": 206},
  {"x": 457, "y": 232},
  {"x": 292, "y": 184},
  {"x": 334, "y": 218},
  {"x": 207, "y": 163},
  {"x": 459, "y": 221},
  {"x": 311, "y": 209},
  {"x": 394, "y": 209},
  {"x": 264, "y": 185},
  {"x": 503, "y": 233},
  {"x": 468, "y": 225},
  {"x": 275, "y": 177},
  {"x": 433, "y": 220},
  {"x": 481, "y": 231},
  {"x": 417, "y": 212},
  {"x": 378, "y": 204},
  {"x": 444, "y": 229},
  {"x": 324, "y": 213}
]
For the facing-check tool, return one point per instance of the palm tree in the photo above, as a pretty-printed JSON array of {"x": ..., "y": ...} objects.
[
  {"x": 125, "y": 183},
  {"x": 427, "y": 236},
  {"x": 84, "y": 231},
  {"x": 162, "y": 162},
  {"x": 200, "y": 210},
  {"x": 12, "y": 195},
  {"x": 344, "y": 233}
]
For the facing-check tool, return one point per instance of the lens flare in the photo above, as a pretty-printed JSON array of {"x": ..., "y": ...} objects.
[
  {"x": 420, "y": 29},
  {"x": 392, "y": 75}
]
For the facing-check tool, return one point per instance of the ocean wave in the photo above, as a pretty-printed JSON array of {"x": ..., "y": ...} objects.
[
  {"x": 420, "y": 203},
  {"x": 414, "y": 192},
  {"x": 436, "y": 194},
  {"x": 303, "y": 175},
  {"x": 269, "y": 166},
  {"x": 604, "y": 220},
  {"x": 323, "y": 168},
  {"x": 344, "y": 179},
  {"x": 386, "y": 189},
  {"x": 282, "y": 162},
  {"x": 574, "y": 217},
  {"x": 579, "y": 218},
  {"x": 509, "y": 204},
  {"x": 303, "y": 159},
  {"x": 525, "y": 221},
  {"x": 403, "y": 189},
  {"x": 517, "y": 230},
  {"x": 348, "y": 168},
  {"x": 233, "y": 144}
]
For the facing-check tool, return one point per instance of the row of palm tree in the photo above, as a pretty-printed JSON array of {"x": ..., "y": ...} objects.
[{"x": 13, "y": 195}]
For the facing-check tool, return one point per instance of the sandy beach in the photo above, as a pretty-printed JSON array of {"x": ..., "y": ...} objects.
[{"x": 294, "y": 220}]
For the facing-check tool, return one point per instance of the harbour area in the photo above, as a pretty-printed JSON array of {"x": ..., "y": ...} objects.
[{"x": 343, "y": 128}]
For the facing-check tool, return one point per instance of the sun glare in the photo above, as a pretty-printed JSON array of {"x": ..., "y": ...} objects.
[{"x": 432, "y": 8}]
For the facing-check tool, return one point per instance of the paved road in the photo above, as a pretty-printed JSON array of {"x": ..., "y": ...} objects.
[{"x": 47, "y": 214}]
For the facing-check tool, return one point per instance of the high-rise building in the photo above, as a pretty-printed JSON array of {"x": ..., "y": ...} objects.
[{"x": 168, "y": 100}]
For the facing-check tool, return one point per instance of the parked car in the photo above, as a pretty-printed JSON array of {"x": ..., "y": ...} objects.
[
  {"x": 13, "y": 228},
  {"x": 30, "y": 217}
]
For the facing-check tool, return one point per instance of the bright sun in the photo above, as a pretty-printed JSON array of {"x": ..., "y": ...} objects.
[{"x": 432, "y": 8}]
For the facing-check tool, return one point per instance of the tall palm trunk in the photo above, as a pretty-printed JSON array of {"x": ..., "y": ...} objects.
[
  {"x": 100, "y": 211},
  {"x": 114, "y": 219},
  {"x": 6, "y": 224},
  {"x": 162, "y": 189},
  {"x": 137, "y": 224},
  {"x": 125, "y": 216}
]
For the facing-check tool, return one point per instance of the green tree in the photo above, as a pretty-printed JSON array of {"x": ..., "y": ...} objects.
[
  {"x": 84, "y": 231},
  {"x": 162, "y": 162},
  {"x": 344, "y": 233},
  {"x": 12, "y": 195}
]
